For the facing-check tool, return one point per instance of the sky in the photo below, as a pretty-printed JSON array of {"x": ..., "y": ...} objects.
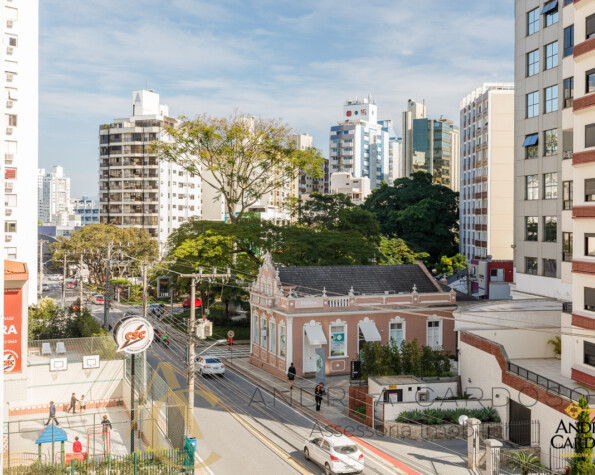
[{"x": 298, "y": 61}]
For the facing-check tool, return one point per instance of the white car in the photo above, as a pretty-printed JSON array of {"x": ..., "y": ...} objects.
[
  {"x": 337, "y": 454},
  {"x": 45, "y": 287},
  {"x": 209, "y": 365}
]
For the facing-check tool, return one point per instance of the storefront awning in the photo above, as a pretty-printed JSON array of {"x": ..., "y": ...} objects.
[
  {"x": 315, "y": 334},
  {"x": 369, "y": 331}
]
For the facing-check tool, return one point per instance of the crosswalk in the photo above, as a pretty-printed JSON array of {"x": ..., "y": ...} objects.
[{"x": 239, "y": 351}]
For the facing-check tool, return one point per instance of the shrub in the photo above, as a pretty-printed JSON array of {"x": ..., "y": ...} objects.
[{"x": 433, "y": 416}]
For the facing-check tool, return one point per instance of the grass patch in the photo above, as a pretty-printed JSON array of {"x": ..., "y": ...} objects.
[{"x": 360, "y": 411}]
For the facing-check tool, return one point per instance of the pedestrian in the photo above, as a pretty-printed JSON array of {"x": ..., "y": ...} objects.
[
  {"x": 73, "y": 401},
  {"x": 82, "y": 403},
  {"x": 77, "y": 447},
  {"x": 291, "y": 375},
  {"x": 52, "y": 414},
  {"x": 318, "y": 393},
  {"x": 105, "y": 422}
]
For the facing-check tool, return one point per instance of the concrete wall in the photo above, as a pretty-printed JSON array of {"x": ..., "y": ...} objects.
[
  {"x": 434, "y": 389},
  {"x": 516, "y": 342}
]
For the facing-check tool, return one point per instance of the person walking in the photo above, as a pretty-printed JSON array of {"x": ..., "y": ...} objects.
[
  {"x": 77, "y": 447},
  {"x": 52, "y": 414},
  {"x": 105, "y": 422},
  {"x": 73, "y": 401},
  {"x": 291, "y": 375},
  {"x": 318, "y": 394},
  {"x": 82, "y": 403}
]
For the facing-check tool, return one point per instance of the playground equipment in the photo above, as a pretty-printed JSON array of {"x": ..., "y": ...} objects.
[
  {"x": 99, "y": 441},
  {"x": 51, "y": 434}
]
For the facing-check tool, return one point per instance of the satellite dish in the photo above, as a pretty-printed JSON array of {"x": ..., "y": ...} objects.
[{"x": 463, "y": 420}]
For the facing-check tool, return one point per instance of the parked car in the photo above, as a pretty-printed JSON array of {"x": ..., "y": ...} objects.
[
  {"x": 337, "y": 454},
  {"x": 70, "y": 285},
  {"x": 45, "y": 287},
  {"x": 161, "y": 337},
  {"x": 197, "y": 303},
  {"x": 209, "y": 365},
  {"x": 98, "y": 299}
]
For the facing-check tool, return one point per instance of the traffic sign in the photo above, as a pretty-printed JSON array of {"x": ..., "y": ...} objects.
[{"x": 231, "y": 333}]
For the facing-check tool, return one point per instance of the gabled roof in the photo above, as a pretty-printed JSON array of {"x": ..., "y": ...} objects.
[
  {"x": 339, "y": 280},
  {"x": 54, "y": 433}
]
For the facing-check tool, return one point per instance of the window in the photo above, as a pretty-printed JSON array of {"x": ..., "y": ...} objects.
[
  {"x": 590, "y": 81},
  {"x": 533, "y": 104},
  {"x": 10, "y": 200},
  {"x": 590, "y": 245},
  {"x": 590, "y": 135},
  {"x": 567, "y": 195},
  {"x": 338, "y": 346},
  {"x": 568, "y": 92},
  {"x": 531, "y": 187},
  {"x": 531, "y": 265},
  {"x": 550, "y": 186},
  {"x": 551, "y": 55},
  {"x": 397, "y": 333},
  {"x": 282, "y": 341},
  {"x": 568, "y": 40},
  {"x": 531, "y": 225},
  {"x": 590, "y": 30},
  {"x": 533, "y": 62},
  {"x": 590, "y": 299},
  {"x": 11, "y": 253},
  {"x": 434, "y": 334},
  {"x": 531, "y": 146},
  {"x": 255, "y": 327},
  {"x": 567, "y": 247},
  {"x": 589, "y": 353},
  {"x": 533, "y": 21},
  {"x": 10, "y": 227},
  {"x": 549, "y": 267},
  {"x": 551, "y": 142},
  {"x": 550, "y": 10},
  {"x": 550, "y": 229},
  {"x": 263, "y": 332},
  {"x": 273, "y": 338},
  {"x": 11, "y": 120},
  {"x": 551, "y": 99},
  {"x": 12, "y": 41}
]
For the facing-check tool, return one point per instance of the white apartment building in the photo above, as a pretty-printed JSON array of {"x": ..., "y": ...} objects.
[
  {"x": 358, "y": 189},
  {"x": 364, "y": 146},
  {"x": 20, "y": 38},
  {"x": 136, "y": 189},
  {"x": 53, "y": 195},
  {"x": 307, "y": 183},
  {"x": 87, "y": 209},
  {"x": 486, "y": 201}
]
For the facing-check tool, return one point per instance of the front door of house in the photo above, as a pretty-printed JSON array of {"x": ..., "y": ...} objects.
[{"x": 309, "y": 356}]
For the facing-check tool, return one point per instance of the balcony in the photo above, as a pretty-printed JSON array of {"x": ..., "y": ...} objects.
[
  {"x": 582, "y": 321},
  {"x": 584, "y": 47},
  {"x": 583, "y": 102},
  {"x": 583, "y": 212},
  {"x": 480, "y": 211},
  {"x": 583, "y": 267},
  {"x": 581, "y": 158}
]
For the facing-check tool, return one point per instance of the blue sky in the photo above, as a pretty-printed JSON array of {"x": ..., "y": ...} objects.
[{"x": 298, "y": 61}]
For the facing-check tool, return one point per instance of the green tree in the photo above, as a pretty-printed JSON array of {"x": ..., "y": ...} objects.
[
  {"x": 48, "y": 321},
  {"x": 323, "y": 211},
  {"x": 424, "y": 215},
  {"x": 241, "y": 158},
  {"x": 394, "y": 251},
  {"x": 583, "y": 449},
  {"x": 527, "y": 463}
]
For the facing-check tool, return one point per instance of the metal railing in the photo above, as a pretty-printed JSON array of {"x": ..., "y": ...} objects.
[{"x": 548, "y": 384}]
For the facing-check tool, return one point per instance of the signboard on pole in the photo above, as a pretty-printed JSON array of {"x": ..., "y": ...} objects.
[
  {"x": 163, "y": 290},
  {"x": 13, "y": 323},
  {"x": 133, "y": 335}
]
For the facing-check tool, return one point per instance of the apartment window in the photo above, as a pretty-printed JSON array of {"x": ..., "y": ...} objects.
[
  {"x": 590, "y": 81},
  {"x": 567, "y": 192},
  {"x": 550, "y": 10},
  {"x": 282, "y": 341},
  {"x": 588, "y": 353},
  {"x": 12, "y": 41},
  {"x": 10, "y": 200},
  {"x": 590, "y": 299},
  {"x": 531, "y": 146},
  {"x": 10, "y": 227},
  {"x": 567, "y": 247},
  {"x": 551, "y": 55},
  {"x": 590, "y": 135},
  {"x": 255, "y": 338},
  {"x": 338, "y": 345},
  {"x": 533, "y": 21},
  {"x": 397, "y": 333},
  {"x": 531, "y": 187},
  {"x": 568, "y": 92},
  {"x": 263, "y": 332},
  {"x": 568, "y": 40},
  {"x": 550, "y": 186},
  {"x": 531, "y": 226},
  {"x": 590, "y": 189},
  {"x": 533, "y": 104},
  {"x": 551, "y": 99},
  {"x": 273, "y": 337},
  {"x": 549, "y": 268},
  {"x": 550, "y": 229},
  {"x": 533, "y": 63},
  {"x": 590, "y": 28},
  {"x": 551, "y": 142},
  {"x": 11, "y": 120},
  {"x": 434, "y": 334},
  {"x": 531, "y": 265}
]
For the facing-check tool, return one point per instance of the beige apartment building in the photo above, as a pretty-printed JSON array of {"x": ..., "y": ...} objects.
[{"x": 487, "y": 174}]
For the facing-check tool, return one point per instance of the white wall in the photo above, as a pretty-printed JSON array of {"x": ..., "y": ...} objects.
[
  {"x": 546, "y": 286},
  {"x": 522, "y": 343}
]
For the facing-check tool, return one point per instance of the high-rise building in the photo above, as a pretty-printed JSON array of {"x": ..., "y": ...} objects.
[
  {"x": 543, "y": 145},
  {"x": 53, "y": 194},
  {"x": 363, "y": 146},
  {"x": 136, "y": 189},
  {"x": 486, "y": 202},
  {"x": 20, "y": 30},
  {"x": 87, "y": 209},
  {"x": 358, "y": 189},
  {"x": 431, "y": 146},
  {"x": 307, "y": 183}
]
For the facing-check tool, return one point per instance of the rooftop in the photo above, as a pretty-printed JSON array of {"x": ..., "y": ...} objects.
[{"x": 390, "y": 380}]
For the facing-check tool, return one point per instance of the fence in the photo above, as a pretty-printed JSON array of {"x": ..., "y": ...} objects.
[{"x": 520, "y": 433}]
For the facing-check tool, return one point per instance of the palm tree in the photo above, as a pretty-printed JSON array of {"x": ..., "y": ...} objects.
[
  {"x": 557, "y": 344},
  {"x": 525, "y": 462}
]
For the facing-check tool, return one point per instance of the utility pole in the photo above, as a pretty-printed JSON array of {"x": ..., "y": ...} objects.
[
  {"x": 64, "y": 282},
  {"x": 191, "y": 342},
  {"x": 40, "y": 268},
  {"x": 81, "y": 283},
  {"x": 106, "y": 297},
  {"x": 144, "y": 266}
]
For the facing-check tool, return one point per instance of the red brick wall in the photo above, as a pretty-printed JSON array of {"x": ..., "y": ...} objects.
[
  {"x": 358, "y": 395},
  {"x": 583, "y": 378}
]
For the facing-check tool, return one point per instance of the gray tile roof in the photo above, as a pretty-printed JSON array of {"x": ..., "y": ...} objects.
[{"x": 338, "y": 280}]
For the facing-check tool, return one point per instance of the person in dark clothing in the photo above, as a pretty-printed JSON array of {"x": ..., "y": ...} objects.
[
  {"x": 106, "y": 423},
  {"x": 318, "y": 394},
  {"x": 73, "y": 401},
  {"x": 291, "y": 375},
  {"x": 52, "y": 414}
]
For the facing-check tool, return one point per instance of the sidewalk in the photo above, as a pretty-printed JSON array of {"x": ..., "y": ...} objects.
[{"x": 404, "y": 456}]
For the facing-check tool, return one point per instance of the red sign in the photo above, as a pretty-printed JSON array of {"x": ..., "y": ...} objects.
[{"x": 13, "y": 322}]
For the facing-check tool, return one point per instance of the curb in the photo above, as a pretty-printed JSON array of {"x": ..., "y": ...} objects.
[{"x": 379, "y": 453}]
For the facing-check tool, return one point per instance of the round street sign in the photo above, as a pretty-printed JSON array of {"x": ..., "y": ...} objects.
[
  {"x": 231, "y": 333},
  {"x": 133, "y": 335}
]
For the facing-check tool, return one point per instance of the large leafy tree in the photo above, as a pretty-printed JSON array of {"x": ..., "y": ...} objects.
[
  {"x": 424, "y": 215},
  {"x": 48, "y": 321},
  {"x": 241, "y": 158},
  {"x": 395, "y": 251},
  {"x": 91, "y": 242}
]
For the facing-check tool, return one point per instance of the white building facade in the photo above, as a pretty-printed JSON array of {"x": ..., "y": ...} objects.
[
  {"x": 87, "y": 209},
  {"x": 53, "y": 194},
  {"x": 358, "y": 189}
]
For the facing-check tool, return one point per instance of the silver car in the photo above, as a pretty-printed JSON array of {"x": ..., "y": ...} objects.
[
  {"x": 336, "y": 453},
  {"x": 209, "y": 365}
]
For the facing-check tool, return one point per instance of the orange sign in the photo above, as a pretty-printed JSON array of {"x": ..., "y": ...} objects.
[{"x": 13, "y": 322}]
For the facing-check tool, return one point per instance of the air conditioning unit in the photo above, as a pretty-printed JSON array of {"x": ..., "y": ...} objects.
[
  {"x": 8, "y": 212},
  {"x": 9, "y": 23},
  {"x": 9, "y": 50},
  {"x": 8, "y": 237},
  {"x": 8, "y": 130},
  {"x": 9, "y": 157},
  {"x": 9, "y": 104},
  {"x": 9, "y": 77}
]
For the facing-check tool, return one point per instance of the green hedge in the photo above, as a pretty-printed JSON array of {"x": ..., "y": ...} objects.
[{"x": 447, "y": 416}]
